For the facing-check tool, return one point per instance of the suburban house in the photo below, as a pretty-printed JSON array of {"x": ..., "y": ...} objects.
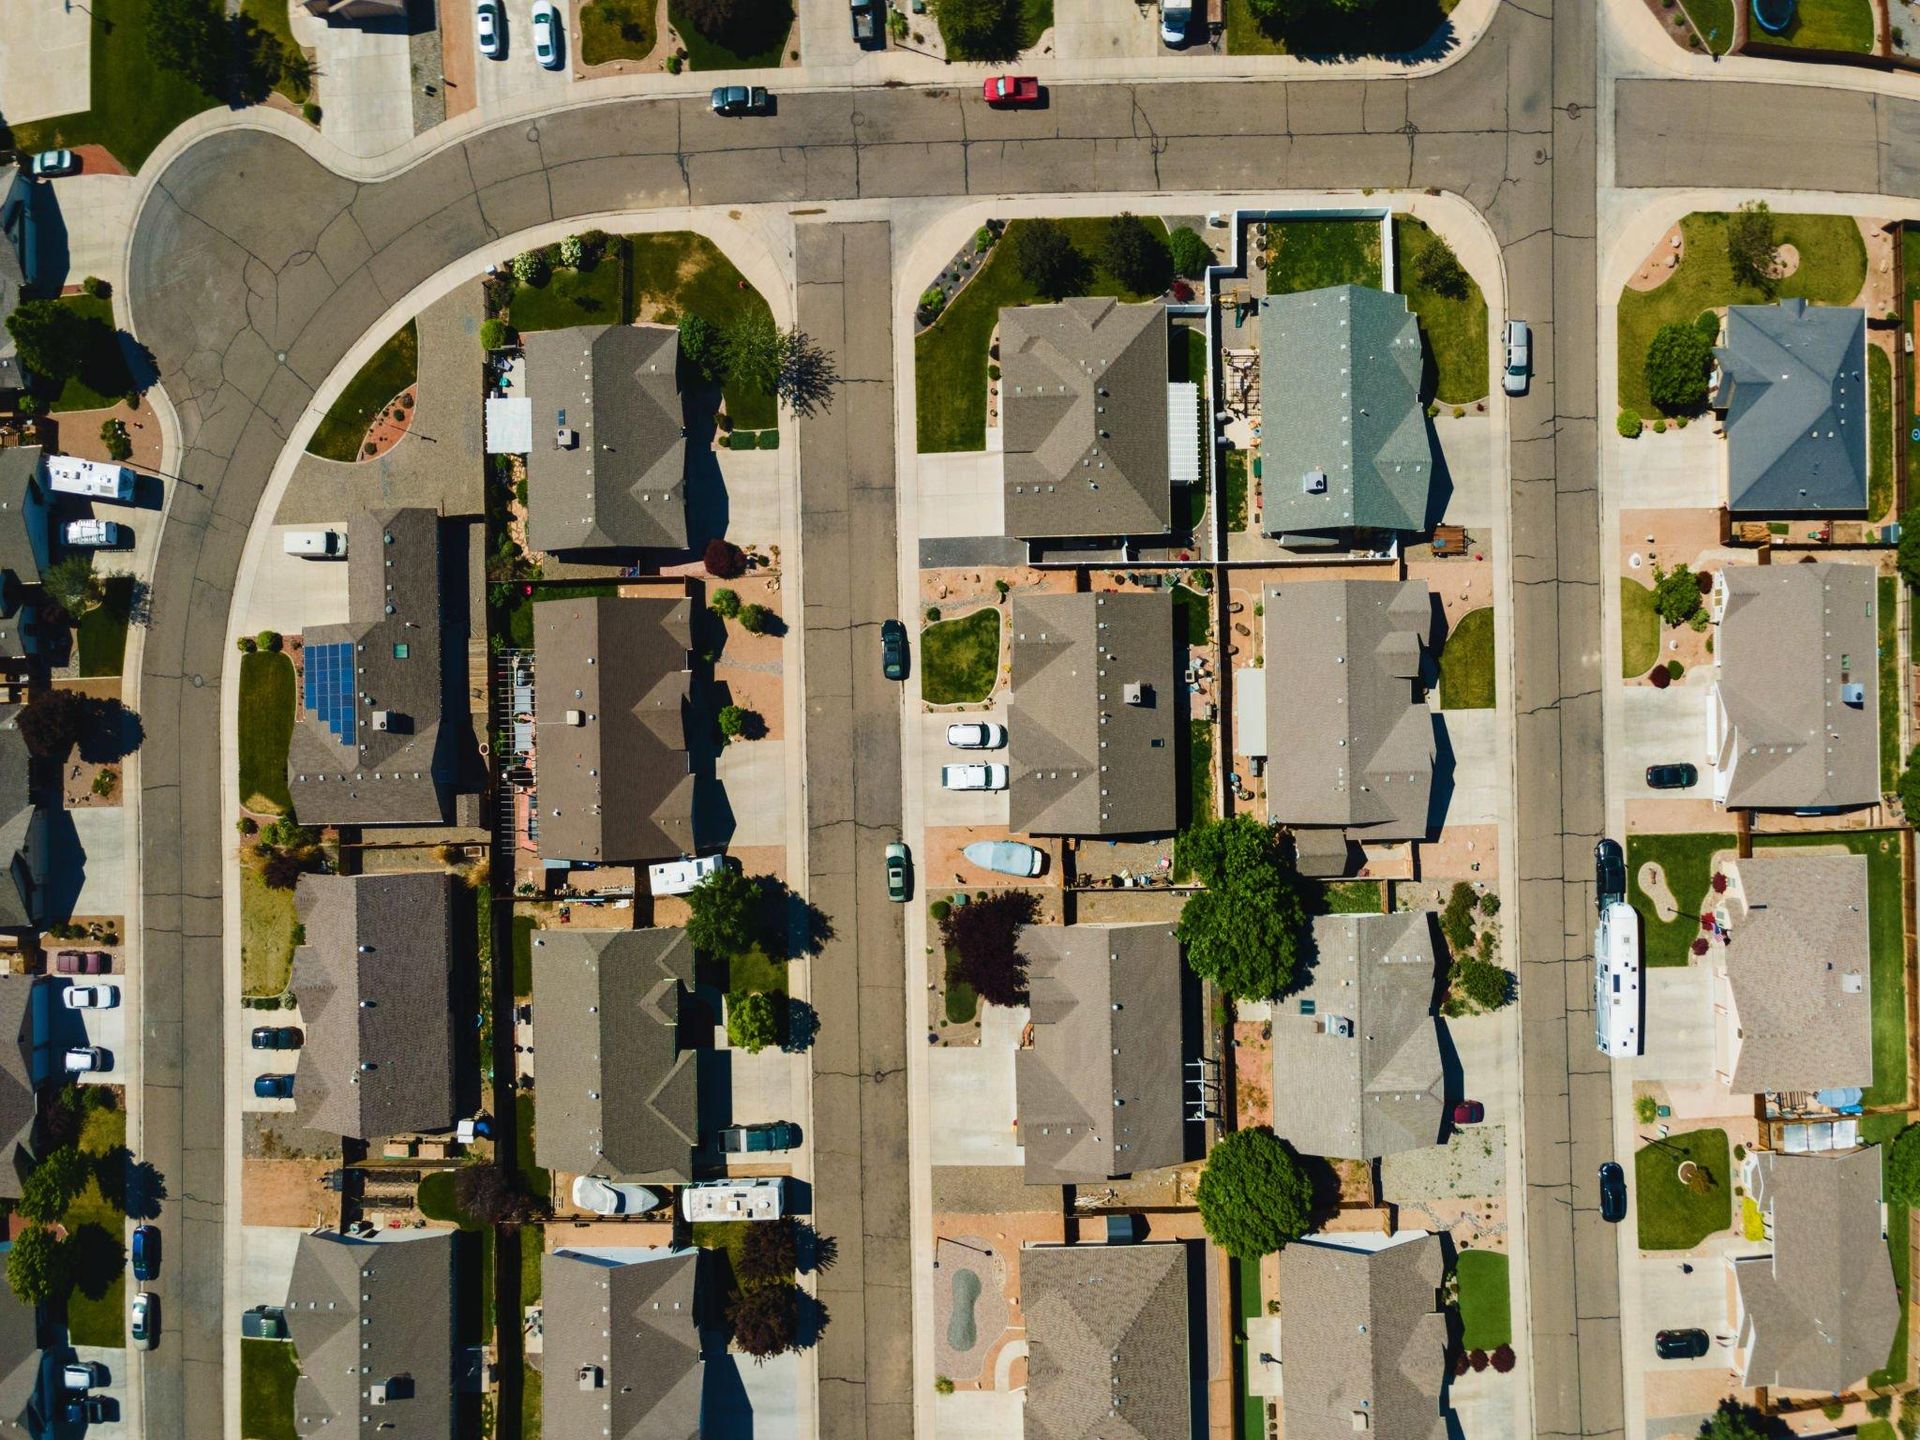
[
  {"x": 613, "y": 715},
  {"x": 1085, "y": 436},
  {"x": 26, "y": 536},
  {"x": 1345, "y": 729},
  {"x": 370, "y": 746},
  {"x": 1793, "y": 988},
  {"x": 26, "y": 1397},
  {"x": 22, "y": 1070},
  {"x": 1794, "y": 719},
  {"x": 1111, "y": 1342},
  {"x": 621, "y": 1351},
  {"x": 19, "y": 265},
  {"x": 613, "y": 473},
  {"x": 1092, "y": 719},
  {"x": 25, "y": 839},
  {"x": 1360, "y": 1344},
  {"x": 372, "y": 1323},
  {"x": 619, "y": 1091},
  {"x": 374, "y": 982},
  {"x": 1819, "y": 1312},
  {"x": 1356, "y": 1046},
  {"x": 1098, "y": 1086},
  {"x": 1791, "y": 380},
  {"x": 1345, "y": 451}
]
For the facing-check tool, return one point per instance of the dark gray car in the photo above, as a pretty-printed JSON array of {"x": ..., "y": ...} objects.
[{"x": 1609, "y": 873}]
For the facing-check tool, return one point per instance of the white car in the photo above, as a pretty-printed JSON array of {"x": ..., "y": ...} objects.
[
  {"x": 55, "y": 162},
  {"x": 488, "y": 29},
  {"x": 315, "y": 544},
  {"x": 1175, "y": 16},
  {"x": 83, "y": 1058},
  {"x": 546, "y": 34},
  {"x": 605, "y": 1197},
  {"x": 90, "y": 997},
  {"x": 976, "y": 735},
  {"x": 1519, "y": 357},
  {"x": 973, "y": 777},
  {"x": 92, "y": 534}
]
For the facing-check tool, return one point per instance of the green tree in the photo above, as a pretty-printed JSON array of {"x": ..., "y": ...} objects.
[
  {"x": 725, "y": 603},
  {"x": 703, "y": 349},
  {"x": 53, "y": 724},
  {"x": 1486, "y": 985},
  {"x": 1191, "y": 253},
  {"x": 39, "y": 1266},
  {"x": 976, "y": 29},
  {"x": 1678, "y": 362},
  {"x": 1136, "y": 254},
  {"x": 1045, "y": 256},
  {"x": 71, "y": 584},
  {"x": 1456, "y": 920},
  {"x": 725, "y": 917},
  {"x": 49, "y": 338},
  {"x": 1903, "y": 1167},
  {"x": 755, "y": 619},
  {"x": 752, "y": 354},
  {"x": 1909, "y": 788},
  {"x": 113, "y": 435},
  {"x": 52, "y": 1184},
  {"x": 753, "y": 1021},
  {"x": 1440, "y": 270},
  {"x": 1244, "y": 931},
  {"x": 1734, "y": 1421},
  {"x": 1253, "y": 1195},
  {"x": 735, "y": 721},
  {"x": 1751, "y": 244},
  {"x": 189, "y": 37},
  {"x": 1909, "y": 559},
  {"x": 1676, "y": 594}
]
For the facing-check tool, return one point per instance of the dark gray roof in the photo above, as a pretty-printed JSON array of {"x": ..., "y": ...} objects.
[
  {"x": 17, "y": 261},
  {"x": 1099, "y": 1088},
  {"x": 1340, "y": 386},
  {"x": 17, "y": 1084},
  {"x": 622, "y": 1352},
  {"x": 393, "y": 775},
  {"x": 372, "y": 1324},
  {"x": 618, "y": 1095},
  {"x": 22, "y": 1407},
  {"x": 623, "y": 482},
  {"x": 1107, "y": 1342},
  {"x": 24, "y": 536},
  {"x": 616, "y": 785},
  {"x": 1372, "y": 1085},
  {"x": 1793, "y": 385},
  {"x": 23, "y": 829},
  {"x": 1083, "y": 759},
  {"x": 374, "y": 982},
  {"x": 1351, "y": 743},
  {"x": 1084, "y": 395}
]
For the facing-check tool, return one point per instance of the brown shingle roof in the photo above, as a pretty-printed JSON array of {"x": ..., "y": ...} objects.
[
  {"x": 622, "y": 1353},
  {"x": 1107, "y": 1342},
  {"x": 17, "y": 1085}
]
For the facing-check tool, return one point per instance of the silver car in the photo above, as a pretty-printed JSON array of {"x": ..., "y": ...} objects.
[
  {"x": 1519, "y": 357},
  {"x": 973, "y": 777},
  {"x": 976, "y": 735}
]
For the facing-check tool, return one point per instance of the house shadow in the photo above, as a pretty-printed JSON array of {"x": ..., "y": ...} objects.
[
  {"x": 66, "y": 867},
  {"x": 709, "y": 511},
  {"x": 713, "y": 1070},
  {"x": 1440, "y": 799},
  {"x": 726, "y": 1413},
  {"x": 1453, "y": 1075},
  {"x": 1440, "y": 494},
  {"x": 52, "y": 258}
]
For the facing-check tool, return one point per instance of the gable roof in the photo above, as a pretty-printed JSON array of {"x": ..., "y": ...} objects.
[
  {"x": 374, "y": 982},
  {"x": 1099, "y": 1088},
  {"x": 618, "y": 1095},
  {"x": 1084, "y": 390},
  {"x": 23, "y": 1407},
  {"x": 1340, "y": 370},
  {"x": 1107, "y": 1342},
  {"x": 17, "y": 1081},
  {"x": 1377, "y": 1089},
  {"x": 1083, "y": 760},
  {"x": 1353, "y": 745},
  {"x": 1791, "y": 637},
  {"x": 1794, "y": 388},
  {"x": 622, "y": 484},
  {"x": 23, "y": 829},
  {"x": 367, "y": 1314},
  {"x": 621, "y": 1351}
]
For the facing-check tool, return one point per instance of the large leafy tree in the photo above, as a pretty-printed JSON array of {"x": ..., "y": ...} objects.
[
  {"x": 39, "y": 1266},
  {"x": 1752, "y": 245},
  {"x": 1903, "y": 1167},
  {"x": 1734, "y": 1421},
  {"x": 1136, "y": 254},
  {"x": 71, "y": 583},
  {"x": 1678, "y": 362},
  {"x": 726, "y": 912},
  {"x": 753, "y": 352},
  {"x": 50, "y": 339},
  {"x": 753, "y": 1021},
  {"x": 769, "y": 1252},
  {"x": 1244, "y": 931},
  {"x": 1045, "y": 256},
  {"x": 1676, "y": 594},
  {"x": 53, "y": 724},
  {"x": 765, "y": 1320},
  {"x": 1253, "y": 1195},
  {"x": 985, "y": 937},
  {"x": 53, "y": 1183},
  {"x": 703, "y": 349}
]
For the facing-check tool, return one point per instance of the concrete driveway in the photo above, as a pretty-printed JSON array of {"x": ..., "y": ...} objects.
[
  {"x": 1680, "y": 470},
  {"x": 101, "y": 835},
  {"x": 292, "y": 593},
  {"x": 960, "y": 494},
  {"x": 106, "y": 1029},
  {"x": 1671, "y": 1299},
  {"x": 1471, "y": 448},
  {"x": 47, "y": 71},
  {"x": 266, "y": 1264},
  {"x": 114, "y": 1391},
  {"x": 1474, "y": 738},
  {"x": 1663, "y": 727},
  {"x": 254, "y": 1063},
  {"x": 1678, "y": 1027},
  {"x": 516, "y": 75},
  {"x": 366, "y": 84},
  {"x": 970, "y": 1094},
  {"x": 754, "y": 775},
  {"x": 959, "y": 807},
  {"x": 742, "y": 1399}
]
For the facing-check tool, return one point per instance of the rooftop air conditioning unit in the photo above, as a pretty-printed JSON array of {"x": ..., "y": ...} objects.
[
  {"x": 1137, "y": 692},
  {"x": 382, "y": 720},
  {"x": 1852, "y": 983},
  {"x": 377, "y": 1392},
  {"x": 589, "y": 1377},
  {"x": 1314, "y": 482},
  {"x": 565, "y": 437},
  {"x": 576, "y": 717},
  {"x": 1854, "y": 695},
  {"x": 1340, "y": 1025}
]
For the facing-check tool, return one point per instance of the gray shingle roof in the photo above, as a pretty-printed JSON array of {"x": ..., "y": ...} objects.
[
  {"x": 393, "y": 775},
  {"x": 1099, "y": 1090},
  {"x": 622, "y": 1353},
  {"x": 24, "y": 536},
  {"x": 17, "y": 1085},
  {"x": 623, "y": 482},
  {"x": 1820, "y": 1311},
  {"x": 1794, "y": 388},
  {"x": 1084, "y": 391},
  {"x": 1801, "y": 974},
  {"x": 1362, "y": 1333},
  {"x": 22, "y": 1411},
  {"x": 1351, "y": 744},
  {"x": 616, "y": 786},
  {"x": 23, "y": 829},
  {"x": 1107, "y": 1342},
  {"x": 1791, "y": 639},
  {"x": 367, "y": 1314},
  {"x": 1340, "y": 381},
  {"x": 374, "y": 982},
  {"x": 1083, "y": 760},
  {"x": 618, "y": 1095},
  {"x": 1379, "y": 1088}
]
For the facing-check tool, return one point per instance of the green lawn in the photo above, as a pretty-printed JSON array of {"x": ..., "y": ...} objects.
[
  {"x": 271, "y": 17},
  {"x": 1199, "y": 772},
  {"x": 1351, "y": 897},
  {"x": 1253, "y": 1408},
  {"x": 97, "y": 1225},
  {"x": 758, "y": 45},
  {"x": 520, "y": 612},
  {"x": 388, "y": 371},
  {"x": 680, "y": 273},
  {"x": 1880, "y": 1130},
  {"x": 522, "y": 955},
  {"x": 1486, "y": 1311},
  {"x": 1673, "y": 1217},
  {"x": 1879, "y": 433},
  {"x": 532, "y": 1250},
  {"x": 962, "y": 1004},
  {"x": 532, "y": 1382},
  {"x": 1687, "y": 861},
  {"x": 1910, "y": 264},
  {"x": 1335, "y": 31},
  {"x": 102, "y": 378},
  {"x": 102, "y": 638},
  {"x": 1827, "y": 25},
  {"x": 1833, "y": 265},
  {"x": 1887, "y": 617},
  {"x": 266, "y": 730},
  {"x": 1193, "y": 611},
  {"x": 1467, "y": 679},
  {"x": 537, "y": 1181},
  {"x": 950, "y": 356},
  {"x": 754, "y": 969},
  {"x": 267, "y": 918},
  {"x": 616, "y": 30},
  {"x": 268, "y": 1369},
  {"x": 1455, "y": 326},
  {"x": 960, "y": 659},
  {"x": 1639, "y": 629},
  {"x": 1714, "y": 20},
  {"x": 1312, "y": 254},
  {"x": 1236, "y": 490},
  {"x": 436, "y": 1200},
  {"x": 574, "y": 297}
]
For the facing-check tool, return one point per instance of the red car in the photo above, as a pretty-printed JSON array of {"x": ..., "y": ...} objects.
[
  {"x": 79, "y": 962},
  {"x": 1010, "y": 90},
  {"x": 1468, "y": 1112}
]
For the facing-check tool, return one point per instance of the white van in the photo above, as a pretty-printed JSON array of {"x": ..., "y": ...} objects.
[
  {"x": 92, "y": 534},
  {"x": 316, "y": 544},
  {"x": 95, "y": 479},
  {"x": 677, "y": 877}
]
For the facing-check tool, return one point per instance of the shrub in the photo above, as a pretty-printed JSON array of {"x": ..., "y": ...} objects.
[
  {"x": 530, "y": 267},
  {"x": 1676, "y": 595},
  {"x": 1707, "y": 322},
  {"x": 724, "y": 560},
  {"x": 96, "y": 287},
  {"x": 1190, "y": 251},
  {"x": 769, "y": 440},
  {"x": 1486, "y": 985},
  {"x": 1646, "y": 1109},
  {"x": 1659, "y": 427},
  {"x": 983, "y": 239},
  {"x": 725, "y": 603},
  {"x": 268, "y": 640},
  {"x": 939, "y": 910},
  {"x": 933, "y": 614},
  {"x": 1628, "y": 424},
  {"x": 572, "y": 252},
  {"x": 1903, "y": 1167},
  {"x": 703, "y": 348},
  {"x": 311, "y": 112},
  {"x": 733, "y": 721},
  {"x": 1880, "y": 1406},
  {"x": 1678, "y": 361},
  {"x": 753, "y": 1022},
  {"x": 1675, "y": 669},
  {"x": 1909, "y": 786},
  {"x": 932, "y": 301},
  {"x": 1502, "y": 1358},
  {"x": 756, "y": 619},
  {"x": 1659, "y": 678},
  {"x": 495, "y": 335},
  {"x": 113, "y": 434},
  {"x": 942, "y": 1385}
]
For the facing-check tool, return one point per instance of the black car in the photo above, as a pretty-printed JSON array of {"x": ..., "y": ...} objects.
[
  {"x": 1613, "y": 1193},
  {"x": 738, "y": 100},
  {"x": 1609, "y": 873},
  {"x": 1672, "y": 777},
  {"x": 1680, "y": 1344},
  {"x": 893, "y": 650},
  {"x": 277, "y": 1037}
]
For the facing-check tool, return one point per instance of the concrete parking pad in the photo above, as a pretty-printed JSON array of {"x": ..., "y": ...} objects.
[
  {"x": 1478, "y": 772},
  {"x": 266, "y": 1264},
  {"x": 367, "y": 79},
  {"x": 291, "y": 593},
  {"x": 516, "y": 76},
  {"x": 1664, "y": 727},
  {"x": 960, "y": 494},
  {"x": 979, "y": 1414},
  {"x": 754, "y": 775},
  {"x": 97, "y": 210},
  {"x": 102, "y": 834},
  {"x": 1678, "y": 1027},
  {"x": 46, "y": 69},
  {"x": 114, "y": 1391},
  {"x": 970, "y": 1094},
  {"x": 1471, "y": 448},
  {"x": 1680, "y": 470}
]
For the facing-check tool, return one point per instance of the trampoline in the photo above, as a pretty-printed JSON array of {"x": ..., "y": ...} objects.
[{"x": 1773, "y": 16}]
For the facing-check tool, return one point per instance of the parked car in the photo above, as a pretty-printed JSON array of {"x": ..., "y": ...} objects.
[
  {"x": 55, "y": 162},
  {"x": 1175, "y": 16},
  {"x": 277, "y": 1037},
  {"x": 273, "y": 1087},
  {"x": 1006, "y": 857},
  {"x": 1010, "y": 90},
  {"x": 1672, "y": 777},
  {"x": 759, "y": 1139},
  {"x": 89, "y": 1410},
  {"x": 1609, "y": 873},
  {"x": 1519, "y": 342},
  {"x": 738, "y": 100},
  {"x": 606, "y": 1197},
  {"x": 976, "y": 735},
  {"x": 1680, "y": 1344},
  {"x": 81, "y": 962},
  {"x": 1613, "y": 1193},
  {"x": 146, "y": 1252},
  {"x": 973, "y": 777},
  {"x": 546, "y": 34},
  {"x": 489, "y": 28},
  {"x": 896, "y": 871},
  {"x": 145, "y": 1328},
  {"x": 317, "y": 544},
  {"x": 1468, "y": 1112},
  {"x": 90, "y": 997},
  {"x": 866, "y": 29},
  {"x": 93, "y": 534},
  {"x": 84, "y": 1059},
  {"x": 82, "y": 1375},
  {"x": 893, "y": 650}
]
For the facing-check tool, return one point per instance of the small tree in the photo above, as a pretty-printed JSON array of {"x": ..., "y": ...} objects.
[
  {"x": 725, "y": 603},
  {"x": 493, "y": 1195},
  {"x": 113, "y": 435},
  {"x": 1910, "y": 794},
  {"x": 725, "y": 917},
  {"x": 282, "y": 869},
  {"x": 1486, "y": 985},
  {"x": 1045, "y": 256},
  {"x": 39, "y": 1266},
  {"x": 1136, "y": 254},
  {"x": 769, "y": 1253},
  {"x": 1440, "y": 270},
  {"x": 766, "y": 1320},
  {"x": 495, "y": 334},
  {"x": 753, "y": 351},
  {"x": 732, "y": 721},
  {"x": 703, "y": 349},
  {"x": 1456, "y": 920},
  {"x": 1678, "y": 362},
  {"x": 51, "y": 1185},
  {"x": 1734, "y": 1421},
  {"x": 1903, "y": 1167},
  {"x": 1190, "y": 251},
  {"x": 53, "y": 724},
  {"x": 572, "y": 252},
  {"x": 724, "y": 560},
  {"x": 1676, "y": 596},
  {"x": 71, "y": 584},
  {"x": 1751, "y": 245},
  {"x": 985, "y": 937},
  {"x": 753, "y": 1021},
  {"x": 755, "y": 619},
  {"x": 530, "y": 267},
  {"x": 1253, "y": 1196}
]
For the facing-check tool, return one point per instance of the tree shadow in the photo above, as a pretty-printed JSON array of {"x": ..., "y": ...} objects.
[
  {"x": 146, "y": 1188},
  {"x": 803, "y": 1024},
  {"x": 1400, "y": 29},
  {"x": 112, "y": 732},
  {"x": 816, "y": 1252},
  {"x": 99, "y": 1257},
  {"x": 789, "y": 917}
]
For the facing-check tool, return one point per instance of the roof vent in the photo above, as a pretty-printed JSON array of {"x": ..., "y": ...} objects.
[
  {"x": 590, "y": 1377},
  {"x": 565, "y": 437},
  {"x": 1314, "y": 482},
  {"x": 1852, "y": 983},
  {"x": 576, "y": 717},
  {"x": 1854, "y": 694},
  {"x": 1138, "y": 692}
]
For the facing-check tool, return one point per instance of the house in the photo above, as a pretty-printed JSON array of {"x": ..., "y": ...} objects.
[
  {"x": 27, "y": 1396},
  {"x": 612, "y": 475},
  {"x": 1348, "y": 736},
  {"x": 1819, "y": 1312},
  {"x": 1099, "y": 1087},
  {"x": 1091, "y": 723},
  {"x": 372, "y": 1323},
  {"x": 1792, "y": 385},
  {"x": 620, "y": 1350},
  {"x": 373, "y": 978},
  {"x": 1111, "y": 1337},
  {"x": 1356, "y": 1047},
  {"x": 1344, "y": 443},
  {"x": 612, "y": 721},
  {"x": 25, "y": 839},
  {"x": 370, "y": 746},
  {"x": 1363, "y": 1337},
  {"x": 1793, "y": 989},
  {"x": 619, "y": 1092},
  {"x": 26, "y": 537},
  {"x": 23, "y": 1068},
  {"x": 1794, "y": 719},
  {"x": 19, "y": 265},
  {"x": 1085, "y": 399}
]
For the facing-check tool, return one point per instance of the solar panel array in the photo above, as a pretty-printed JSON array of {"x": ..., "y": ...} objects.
[{"x": 330, "y": 688}]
